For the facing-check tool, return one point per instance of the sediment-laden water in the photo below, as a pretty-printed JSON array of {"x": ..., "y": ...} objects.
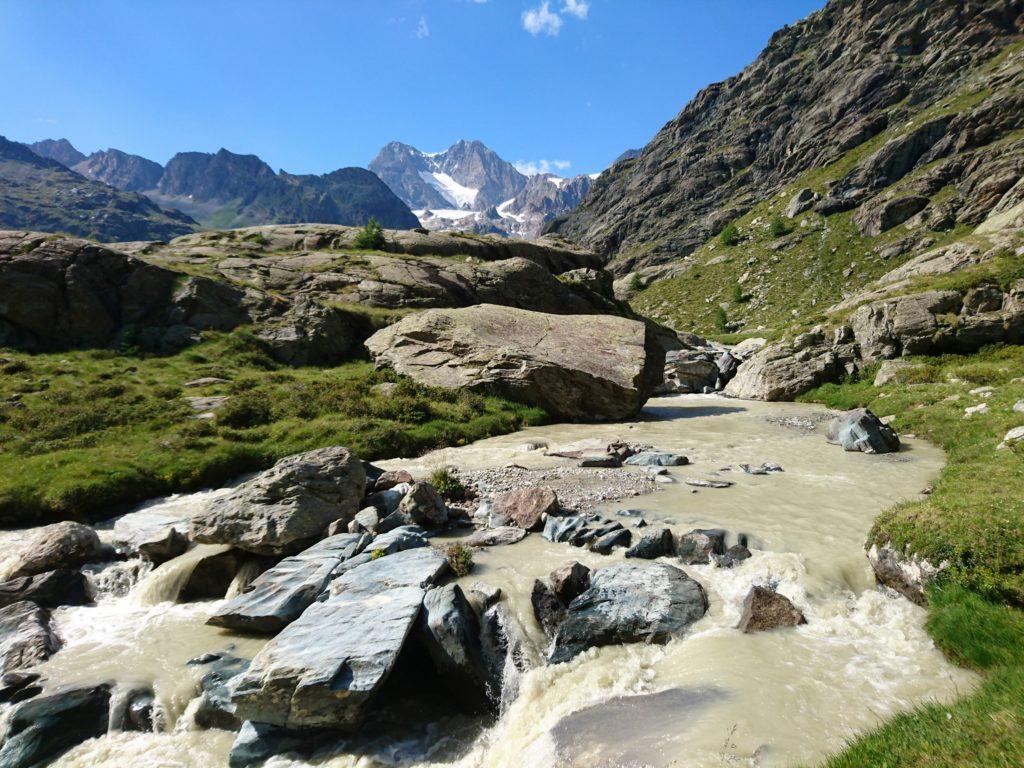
[{"x": 716, "y": 697}]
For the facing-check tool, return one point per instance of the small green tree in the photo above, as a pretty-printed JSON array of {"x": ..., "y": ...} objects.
[
  {"x": 635, "y": 283},
  {"x": 721, "y": 319},
  {"x": 737, "y": 294},
  {"x": 778, "y": 227},
  {"x": 370, "y": 237},
  {"x": 730, "y": 236}
]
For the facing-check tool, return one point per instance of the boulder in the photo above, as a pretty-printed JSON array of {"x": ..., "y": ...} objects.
[
  {"x": 801, "y": 202},
  {"x": 287, "y": 507},
  {"x": 213, "y": 575},
  {"x": 699, "y": 546},
  {"x": 324, "y": 668},
  {"x": 48, "y": 590},
  {"x": 547, "y": 608},
  {"x": 310, "y": 334},
  {"x": 734, "y": 555},
  {"x": 874, "y": 218},
  {"x": 41, "y": 729},
  {"x": 861, "y": 430},
  {"x": 655, "y": 459},
  {"x": 25, "y": 636},
  {"x": 652, "y": 545},
  {"x": 503, "y": 652},
  {"x": 281, "y": 594},
  {"x": 605, "y": 543},
  {"x": 19, "y": 686},
  {"x": 153, "y": 534},
  {"x": 575, "y": 367},
  {"x": 765, "y": 609},
  {"x": 630, "y": 603},
  {"x": 61, "y": 545},
  {"x": 392, "y": 477},
  {"x": 569, "y": 581},
  {"x": 496, "y": 537},
  {"x": 450, "y": 631},
  {"x": 891, "y": 370},
  {"x": 688, "y": 371},
  {"x": 214, "y": 709},
  {"x": 905, "y": 325},
  {"x": 423, "y": 506},
  {"x": 527, "y": 507},
  {"x": 785, "y": 369},
  {"x": 257, "y": 743}
]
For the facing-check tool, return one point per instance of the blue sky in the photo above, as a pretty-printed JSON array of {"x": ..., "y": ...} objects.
[{"x": 313, "y": 85}]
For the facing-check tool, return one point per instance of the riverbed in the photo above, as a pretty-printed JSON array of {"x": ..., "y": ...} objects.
[{"x": 715, "y": 697}]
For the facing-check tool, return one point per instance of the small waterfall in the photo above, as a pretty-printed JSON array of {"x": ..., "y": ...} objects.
[
  {"x": 246, "y": 575},
  {"x": 164, "y": 584},
  {"x": 109, "y": 581}
]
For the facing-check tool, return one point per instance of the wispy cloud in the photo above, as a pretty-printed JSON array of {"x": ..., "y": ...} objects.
[
  {"x": 533, "y": 167},
  {"x": 578, "y": 8},
  {"x": 45, "y": 120},
  {"x": 542, "y": 20},
  {"x": 422, "y": 30}
]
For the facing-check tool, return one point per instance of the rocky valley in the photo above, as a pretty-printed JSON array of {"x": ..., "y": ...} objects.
[{"x": 713, "y": 459}]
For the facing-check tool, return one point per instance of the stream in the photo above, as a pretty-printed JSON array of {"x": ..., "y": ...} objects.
[{"x": 716, "y": 697}]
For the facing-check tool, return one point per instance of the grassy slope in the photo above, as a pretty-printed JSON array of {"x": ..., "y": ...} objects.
[
  {"x": 791, "y": 280},
  {"x": 96, "y": 429},
  {"x": 975, "y": 520}
]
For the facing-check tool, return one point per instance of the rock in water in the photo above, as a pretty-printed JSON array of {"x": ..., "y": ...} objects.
[
  {"x": 699, "y": 546},
  {"x": 527, "y": 507},
  {"x": 41, "y": 729},
  {"x": 576, "y": 367},
  {"x": 654, "y": 459},
  {"x": 215, "y": 709},
  {"x": 451, "y": 633},
  {"x": 49, "y": 590},
  {"x": 630, "y": 603},
  {"x": 422, "y": 506},
  {"x": 653, "y": 545},
  {"x": 547, "y": 608},
  {"x": 287, "y": 507},
  {"x": 324, "y": 668},
  {"x": 765, "y": 609},
  {"x": 861, "y": 430},
  {"x": 25, "y": 636},
  {"x": 281, "y": 594},
  {"x": 569, "y": 581},
  {"x": 61, "y": 545},
  {"x": 494, "y": 537}
]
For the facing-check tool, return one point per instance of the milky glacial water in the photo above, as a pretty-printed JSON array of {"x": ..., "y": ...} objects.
[{"x": 715, "y": 697}]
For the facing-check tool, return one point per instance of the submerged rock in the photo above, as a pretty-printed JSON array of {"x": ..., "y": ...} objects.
[
  {"x": 25, "y": 636},
  {"x": 734, "y": 555},
  {"x": 324, "y": 668},
  {"x": 765, "y": 609},
  {"x": 655, "y": 459},
  {"x": 42, "y": 728},
  {"x": 281, "y": 594},
  {"x": 285, "y": 508},
  {"x": 630, "y": 603},
  {"x": 861, "y": 430},
  {"x": 576, "y": 367},
  {"x": 214, "y": 709}
]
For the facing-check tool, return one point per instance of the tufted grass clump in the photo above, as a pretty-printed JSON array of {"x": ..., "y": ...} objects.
[{"x": 460, "y": 559}]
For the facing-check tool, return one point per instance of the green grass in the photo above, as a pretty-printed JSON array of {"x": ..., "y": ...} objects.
[
  {"x": 96, "y": 430},
  {"x": 974, "y": 519}
]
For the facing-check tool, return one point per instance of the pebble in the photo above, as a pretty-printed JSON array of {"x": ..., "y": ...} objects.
[{"x": 578, "y": 489}]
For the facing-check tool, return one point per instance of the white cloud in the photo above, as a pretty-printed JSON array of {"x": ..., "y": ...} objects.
[
  {"x": 578, "y": 8},
  {"x": 542, "y": 20},
  {"x": 46, "y": 120},
  {"x": 422, "y": 30},
  {"x": 533, "y": 167}
]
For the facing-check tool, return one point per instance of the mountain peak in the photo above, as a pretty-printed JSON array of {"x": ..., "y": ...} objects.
[{"x": 61, "y": 150}]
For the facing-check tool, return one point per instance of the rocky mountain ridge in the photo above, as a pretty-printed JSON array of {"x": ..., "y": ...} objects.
[{"x": 469, "y": 187}]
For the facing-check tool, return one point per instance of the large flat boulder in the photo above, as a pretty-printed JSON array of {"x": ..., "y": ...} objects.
[
  {"x": 323, "y": 669},
  {"x": 280, "y": 595},
  {"x": 576, "y": 367},
  {"x": 61, "y": 545},
  {"x": 284, "y": 509},
  {"x": 627, "y": 603}
]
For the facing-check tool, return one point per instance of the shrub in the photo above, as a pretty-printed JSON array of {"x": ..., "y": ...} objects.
[
  {"x": 778, "y": 227},
  {"x": 635, "y": 283},
  {"x": 730, "y": 236},
  {"x": 242, "y": 411},
  {"x": 738, "y": 297},
  {"x": 721, "y": 319},
  {"x": 460, "y": 559},
  {"x": 370, "y": 237},
  {"x": 448, "y": 484}
]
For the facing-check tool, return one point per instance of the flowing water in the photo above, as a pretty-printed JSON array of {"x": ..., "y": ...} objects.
[{"x": 714, "y": 698}]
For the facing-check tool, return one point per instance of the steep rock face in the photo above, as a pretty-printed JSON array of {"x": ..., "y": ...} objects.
[
  {"x": 44, "y": 195},
  {"x": 60, "y": 150},
  {"x": 820, "y": 89},
  {"x": 577, "y": 367},
  {"x": 129, "y": 173}
]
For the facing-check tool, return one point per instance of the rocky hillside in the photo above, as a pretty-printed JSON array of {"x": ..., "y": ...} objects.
[
  {"x": 229, "y": 190},
  {"x": 468, "y": 187},
  {"x": 860, "y": 138},
  {"x": 43, "y": 194}
]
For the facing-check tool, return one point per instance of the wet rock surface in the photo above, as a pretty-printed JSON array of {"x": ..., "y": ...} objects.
[
  {"x": 26, "y": 636},
  {"x": 765, "y": 609},
  {"x": 861, "y": 430},
  {"x": 48, "y": 590},
  {"x": 61, "y": 545},
  {"x": 527, "y": 507},
  {"x": 42, "y": 728}
]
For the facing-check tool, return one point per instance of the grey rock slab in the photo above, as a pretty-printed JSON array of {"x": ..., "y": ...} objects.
[
  {"x": 699, "y": 483},
  {"x": 493, "y": 537},
  {"x": 653, "y": 545},
  {"x": 281, "y": 594},
  {"x": 656, "y": 459},
  {"x": 25, "y": 636},
  {"x": 39, "y": 730},
  {"x": 630, "y": 603},
  {"x": 287, "y": 507},
  {"x": 861, "y": 430},
  {"x": 451, "y": 633},
  {"x": 324, "y": 668},
  {"x": 49, "y": 590}
]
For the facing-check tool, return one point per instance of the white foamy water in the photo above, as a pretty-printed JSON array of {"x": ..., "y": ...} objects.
[{"x": 715, "y": 697}]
